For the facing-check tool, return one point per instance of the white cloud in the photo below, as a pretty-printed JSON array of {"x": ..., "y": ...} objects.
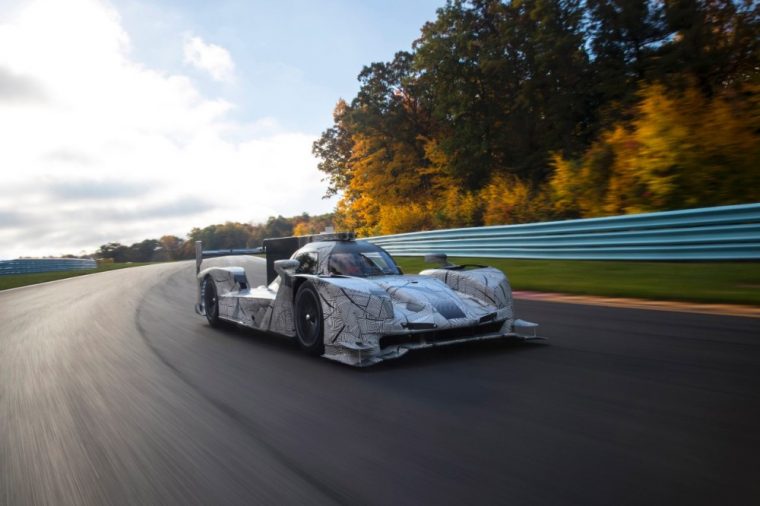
[
  {"x": 102, "y": 148},
  {"x": 209, "y": 57}
]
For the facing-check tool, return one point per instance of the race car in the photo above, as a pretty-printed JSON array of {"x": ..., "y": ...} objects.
[{"x": 347, "y": 300}]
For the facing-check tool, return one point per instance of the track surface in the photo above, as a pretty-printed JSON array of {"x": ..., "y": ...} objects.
[{"x": 113, "y": 391}]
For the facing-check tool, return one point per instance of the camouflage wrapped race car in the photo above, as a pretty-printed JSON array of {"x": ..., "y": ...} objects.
[{"x": 347, "y": 300}]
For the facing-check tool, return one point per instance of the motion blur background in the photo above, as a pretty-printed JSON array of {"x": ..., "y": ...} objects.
[{"x": 117, "y": 116}]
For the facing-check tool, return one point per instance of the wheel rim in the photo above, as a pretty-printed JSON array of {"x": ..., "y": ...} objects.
[
  {"x": 209, "y": 299},
  {"x": 308, "y": 319}
]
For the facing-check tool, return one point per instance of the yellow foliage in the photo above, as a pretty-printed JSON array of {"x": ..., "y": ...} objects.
[
  {"x": 457, "y": 208},
  {"x": 304, "y": 228},
  {"x": 391, "y": 188},
  {"x": 509, "y": 200},
  {"x": 694, "y": 151},
  {"x": 390, "y": 172},
  {"x": 359, "y": 215},
  {"x": 411, "y": 217},
  {"x": 679, "y": 151},
  {"x": 566, "y": 185}
]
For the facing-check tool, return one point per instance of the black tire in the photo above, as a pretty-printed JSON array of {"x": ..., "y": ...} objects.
[
  {"x": 211, "y": 302},
  {"x": 308, "y": 316}
]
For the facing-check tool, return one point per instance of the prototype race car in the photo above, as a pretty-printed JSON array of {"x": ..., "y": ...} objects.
[{"x": 347, "y": 300}]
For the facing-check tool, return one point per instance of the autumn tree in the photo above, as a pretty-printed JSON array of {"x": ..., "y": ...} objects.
[
  {"x": 514, "y": 111},
  {"x": 681, "y": 150},
  {"x": 172, "y": 246},
  {"x": 506, "y": 84}
]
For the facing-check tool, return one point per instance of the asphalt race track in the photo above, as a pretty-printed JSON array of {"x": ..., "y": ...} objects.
[{"x": 112, "y": 391}]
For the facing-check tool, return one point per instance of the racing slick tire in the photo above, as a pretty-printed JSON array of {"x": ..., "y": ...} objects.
[
  {"x": 308, "y": 316},
  {"x": 211, "y": 302}
]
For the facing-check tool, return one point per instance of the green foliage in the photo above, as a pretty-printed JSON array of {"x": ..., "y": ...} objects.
[
  {"x": 626, "y": 37},
  {"x": 504, "y": 82},
  {"x": 715, "y": 42},
  {"x": 113, "y": 251},
  {"x": 333, "y": 149}
]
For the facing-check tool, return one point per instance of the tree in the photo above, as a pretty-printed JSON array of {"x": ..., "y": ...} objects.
[
  {"x": 172, "y": 246},
  {"x": 507, "y": 83},
  {"x": 147, "y": 250},
  {"x": 333, "y": 148},
  {"x": 306, "y": 224},
  {"x": 506, "y": 111},
  {"x": 681, "y": 150},
  {"x": 376, "y": 149},
  {"x": 625, "y": 38},
  {"x": 114, "y": 251},
  {"x": 224, "y": 236},
  {"x": 714, "y": 43},
  {"x": 278, "y": 227}
]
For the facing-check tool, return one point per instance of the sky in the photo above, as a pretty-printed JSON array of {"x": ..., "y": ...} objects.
[{"x": 124, "y": 120}]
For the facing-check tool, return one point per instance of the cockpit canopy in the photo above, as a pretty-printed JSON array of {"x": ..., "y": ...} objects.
[{"x": 345, "y": 258}]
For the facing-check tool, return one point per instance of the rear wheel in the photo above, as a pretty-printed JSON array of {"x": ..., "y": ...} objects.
[
  {"x": 308, "y": 314},
  {"x": 211, "y": 302}
]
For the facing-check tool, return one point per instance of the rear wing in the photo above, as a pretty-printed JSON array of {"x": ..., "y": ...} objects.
[{"x": 211, "y": 253}]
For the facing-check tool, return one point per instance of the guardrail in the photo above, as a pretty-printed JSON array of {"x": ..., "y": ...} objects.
[
  {"x": 32, "y": 265},
  {"x": 713, "y": 233}
]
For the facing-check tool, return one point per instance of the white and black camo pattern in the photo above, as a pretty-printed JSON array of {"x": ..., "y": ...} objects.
[
  {"x": 358, "y": 312},
  {"x": 364, "y": 310},
  {"x": 487, "y": 284}
]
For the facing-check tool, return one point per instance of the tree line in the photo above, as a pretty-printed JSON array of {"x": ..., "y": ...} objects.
[
  {"x": 527, "y": 110},
  {"x": 221, "y": 236}
]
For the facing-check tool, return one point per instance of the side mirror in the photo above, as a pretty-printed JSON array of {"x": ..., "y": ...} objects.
[
  {"x": 438, "y": 258},
  {"x": 286, "y": 268}
]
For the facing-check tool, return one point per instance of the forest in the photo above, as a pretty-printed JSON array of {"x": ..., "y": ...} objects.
[
  {"x": 222, "y": 236},
  {"x": 530, "y": 110}
]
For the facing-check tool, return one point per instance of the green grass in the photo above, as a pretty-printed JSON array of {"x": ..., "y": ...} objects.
[
  {"x": 719, "y": 282},
  {"x": 16, "y": 280}
]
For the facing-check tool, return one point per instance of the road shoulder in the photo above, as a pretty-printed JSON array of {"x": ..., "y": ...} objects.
[{"x": 655, "y": 305}]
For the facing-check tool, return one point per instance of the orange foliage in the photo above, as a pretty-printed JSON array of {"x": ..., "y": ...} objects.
[
  {"x": 509, "y": 200},
  {"x": 679, "y": 151}
]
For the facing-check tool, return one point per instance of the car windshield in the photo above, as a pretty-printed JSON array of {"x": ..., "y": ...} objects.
[{"x": 362, "y": 264}]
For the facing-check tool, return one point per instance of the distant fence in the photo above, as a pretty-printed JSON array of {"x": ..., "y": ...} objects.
[
  {"x": 32, "y": 265},
  {"x": 713, "y": 233}
]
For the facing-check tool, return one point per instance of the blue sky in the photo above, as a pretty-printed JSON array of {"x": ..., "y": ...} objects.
[
  {"x": 294, "y": 59},
  {"x": 125, "y": 119}
]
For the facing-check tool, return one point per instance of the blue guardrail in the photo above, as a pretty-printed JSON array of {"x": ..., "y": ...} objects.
[
  {"x": 713, "y": 233},
  {"x": 32, "y": 265}
]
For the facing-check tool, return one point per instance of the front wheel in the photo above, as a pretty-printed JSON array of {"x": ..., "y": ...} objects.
[
  {"x": 308, "y": 314},
  {"x": 211, "y": 302}
]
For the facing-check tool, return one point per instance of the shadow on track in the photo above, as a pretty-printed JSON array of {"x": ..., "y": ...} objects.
[{"x": 415, "y": 358}]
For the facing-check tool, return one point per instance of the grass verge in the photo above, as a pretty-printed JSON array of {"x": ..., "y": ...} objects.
[
  {"x": 716, "y": 282},
  {"x": 16, "y": 280}
]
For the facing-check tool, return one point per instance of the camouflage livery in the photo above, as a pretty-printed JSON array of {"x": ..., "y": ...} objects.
[{"x": 370, "y": 318}]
